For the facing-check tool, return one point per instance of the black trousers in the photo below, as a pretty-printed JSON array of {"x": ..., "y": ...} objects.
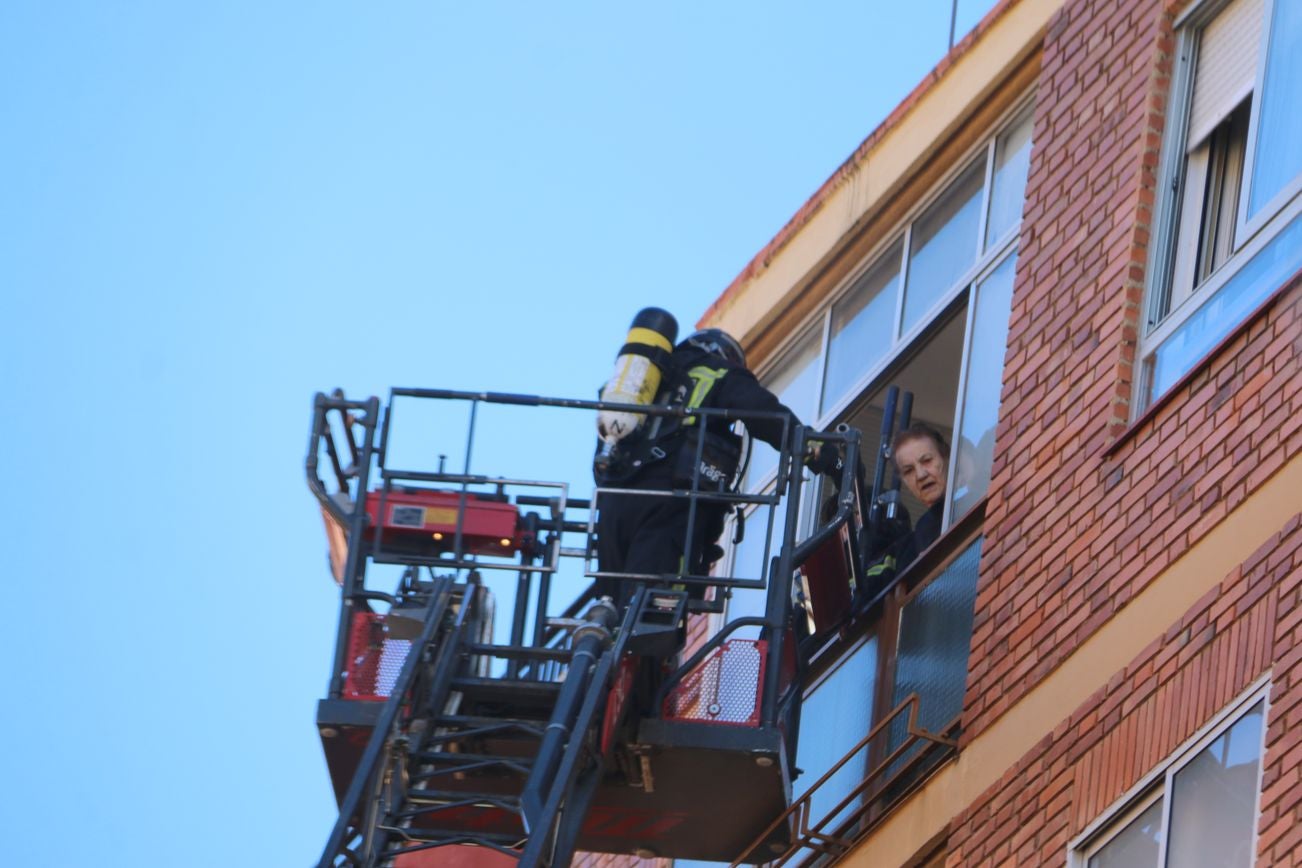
[{"x": 643, "y": 533}]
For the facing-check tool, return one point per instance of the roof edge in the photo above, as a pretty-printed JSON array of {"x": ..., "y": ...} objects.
[{"x": 760, "y": 261}]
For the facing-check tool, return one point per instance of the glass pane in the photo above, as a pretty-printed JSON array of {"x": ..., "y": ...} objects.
[
  {"x": 1221, "y": 199},
  {"x": 749, "y": 562},
  {"x": 944, "y": 244},
  {"x": 862, "y": 326},
  {"x": 935, "y": 635},
  {"x": 795, "y": 382},
  {"x": 1136, "y": 846},
  {"x": 1278, "y": 159},
  {"x": 1230, "y": 305},
  {"x": 974, "y": 449},
  {"x": 833, "y": 719},
  {"x": 1214, "y": 800},
  {"x": 1012, "y": 160}
]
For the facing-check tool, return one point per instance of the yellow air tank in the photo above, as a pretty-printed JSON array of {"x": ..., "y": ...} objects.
[{"x": 638, "y": 370}]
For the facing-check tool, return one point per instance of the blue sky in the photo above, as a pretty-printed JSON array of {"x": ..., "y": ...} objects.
[{"x": 210, "y": 211}]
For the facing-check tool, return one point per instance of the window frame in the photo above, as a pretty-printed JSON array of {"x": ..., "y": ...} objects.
[
  {"x": 973, "y": 289},
  {"x": 1157, "y": 784},
  {"x": 824, "y": 675},
  {"x": 1271, "y": 207},
  {"x": 987, "y": 258},
  {"x": 1163, "y": 314},
  {"x": 1203, "y": 164}
]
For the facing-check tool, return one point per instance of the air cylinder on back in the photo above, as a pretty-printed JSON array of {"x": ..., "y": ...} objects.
[{"x": 638, "y": 371}]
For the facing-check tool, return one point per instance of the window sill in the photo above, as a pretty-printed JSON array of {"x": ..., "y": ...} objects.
[{"x": 1166, "y": 398}]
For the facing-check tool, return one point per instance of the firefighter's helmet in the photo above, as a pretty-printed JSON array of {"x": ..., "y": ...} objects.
[{"x": 720, "y": 343}]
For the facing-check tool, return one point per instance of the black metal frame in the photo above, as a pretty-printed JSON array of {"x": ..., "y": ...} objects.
[
  {"x": 344, "y": 829},
  {"x": 563, "y": 775}
]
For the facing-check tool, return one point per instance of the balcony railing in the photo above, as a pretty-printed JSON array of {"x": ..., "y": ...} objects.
[{"x": 921, "y": 630}]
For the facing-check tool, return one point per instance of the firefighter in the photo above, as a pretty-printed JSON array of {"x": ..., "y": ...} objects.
[
  {"x": 646, "y": 533},
  {"x": 921, "y": 457}
]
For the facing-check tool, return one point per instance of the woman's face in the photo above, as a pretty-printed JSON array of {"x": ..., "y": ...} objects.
[{"x": 922, "y": 468}]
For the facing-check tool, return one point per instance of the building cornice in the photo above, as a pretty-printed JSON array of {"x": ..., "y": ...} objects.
[{"x": 868, "y": 181}]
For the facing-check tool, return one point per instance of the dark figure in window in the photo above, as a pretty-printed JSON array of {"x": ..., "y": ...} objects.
[{"x": 921, "y": 458}]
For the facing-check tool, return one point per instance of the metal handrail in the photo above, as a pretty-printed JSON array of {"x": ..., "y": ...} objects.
[
  {"x": 814, "y": 838},
  {"x": 321, "y": 406}
]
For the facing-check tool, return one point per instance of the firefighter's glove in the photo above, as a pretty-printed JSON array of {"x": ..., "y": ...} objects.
[
  {"x": 888, "y": 534},
  {"x": 823, "y": 458}
]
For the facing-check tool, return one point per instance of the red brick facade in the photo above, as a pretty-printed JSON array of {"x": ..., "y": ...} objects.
[
  {"x": 1085, "y": 513},
  {"x": 1067, "y": 374},
  {"x": 1247, "y": 625}
]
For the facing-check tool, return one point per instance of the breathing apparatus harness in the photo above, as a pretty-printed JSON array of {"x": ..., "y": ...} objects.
[{"x": 724, "y": 456}]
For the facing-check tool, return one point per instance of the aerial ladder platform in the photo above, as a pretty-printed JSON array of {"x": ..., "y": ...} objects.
[{"x": 593, "y": 727}]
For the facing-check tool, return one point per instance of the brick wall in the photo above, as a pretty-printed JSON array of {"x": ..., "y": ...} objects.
[
  {"x": 1250, "y": 624},
  {"x": 1084, "y": 513}
]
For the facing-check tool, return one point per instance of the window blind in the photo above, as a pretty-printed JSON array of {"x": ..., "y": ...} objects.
[{"x": 1227, "y": 66}]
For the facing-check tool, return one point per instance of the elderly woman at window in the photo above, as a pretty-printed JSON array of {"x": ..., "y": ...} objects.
[{"x": 921, "y": 457}]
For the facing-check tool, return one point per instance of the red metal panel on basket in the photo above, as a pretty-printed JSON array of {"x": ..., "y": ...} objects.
[
  {"x": 455, "y": 856},
  {"x": 724, "y": 688},
  {"x": 374, "y": 660},
  {"x": 487, "y": 526}
]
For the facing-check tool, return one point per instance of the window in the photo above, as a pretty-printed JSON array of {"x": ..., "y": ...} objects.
[
  {"x": 892, "y": 321},
  {"x": 928, "y": 312},
  {"x": 931, "y": 647},
  {"x": 838, "y": 710},
  {"x": 862, "y": 326},
  {"x": 974, "y": 447},
  {"x": 1201, "y": 809},
  {"x": 795, "y": 381},
  {"x": 761, "y": 541},
  {"x": 1226, "y": 229},
  {"x": 931, "y": 374},
  {"x": 943, "y": 244},
  {"x": 1277, "y": 160},
  {"x": 1012, "y": 161}
]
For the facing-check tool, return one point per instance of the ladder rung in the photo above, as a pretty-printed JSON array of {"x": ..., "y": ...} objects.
[
  {"x": 506, "y": 689},
  {"x": 416, "y": 837},
  {"x": 495, "y": 724},
  {"x": 453, "y": 798},
  {"x": 458, "y": 762},
  {"x": 521, "y": 652}
]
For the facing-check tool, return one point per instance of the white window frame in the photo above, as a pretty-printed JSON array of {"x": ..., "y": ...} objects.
[
  {"x": 1158, "y": 783},
  {"x": 988, "y": 258},
  {"x": 1250, "y": 235},
  {"x": 718, "y": 620},
  {"x": 1247, "y": 226},
  {"x": 824, "y": 677},
  {"x": 986, "y": 261}
]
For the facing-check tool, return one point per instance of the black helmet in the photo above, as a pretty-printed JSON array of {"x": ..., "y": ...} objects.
[{"x": 718, "y": 342}]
